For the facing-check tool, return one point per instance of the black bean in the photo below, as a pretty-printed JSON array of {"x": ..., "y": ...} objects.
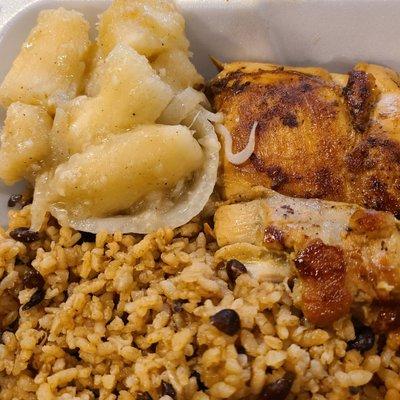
[
  {"x": 167, "y": 390},
  {"x": 279, "y": 389},
  {"x": 177, "y": 305},
  {"x": 14, "y": 200},
  {"x": 36, "y": 298},
  {"x": 199, "y": 382},
  {"x": 96, "y": 393},
  {"x": 234, "y": 269},
  {"x": 32, "y": 279},
  {"x": 86, "y": 237},
  {"x": 20, "y": 200},
  {"x": 143, "y": 396},
  {"x": 24, "y": 235},
  {"x": 364, "y": 340},
  {"x": 226, "y": 321}
]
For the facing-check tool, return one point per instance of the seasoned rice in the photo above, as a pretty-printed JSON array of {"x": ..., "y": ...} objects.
[{"x": 126, "y": 314}]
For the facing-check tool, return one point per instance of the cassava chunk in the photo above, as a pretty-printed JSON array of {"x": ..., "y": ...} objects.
[
  {"x": 131, "y": 93},
  {"x": 49, "y": 68},
  {"x": 115, "y": 175},
  {"x": 148, "y": 26},
  {"x": 175, "y": 68},
  {"x": 172, "y": 208},
  {"x": 24, "y": 142}
]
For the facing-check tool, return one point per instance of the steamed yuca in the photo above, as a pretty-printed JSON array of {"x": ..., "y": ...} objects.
[
  {"x": 176, "y": 69},
  {"x": 115, "y": 175},
  {"x": 148, "y": 26},
  {"x": 24, "y": 142},
  {"x": 131, "y": 93},
  {"x": 50, "y": 66}
]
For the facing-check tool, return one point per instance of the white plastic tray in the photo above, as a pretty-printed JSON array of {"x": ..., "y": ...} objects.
[{"x": 330, "y": 33}]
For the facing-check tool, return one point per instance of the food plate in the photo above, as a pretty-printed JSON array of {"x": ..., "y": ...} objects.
[{"x": 270, "y": 268}]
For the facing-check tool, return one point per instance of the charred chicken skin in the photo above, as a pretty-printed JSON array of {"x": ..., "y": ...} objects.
[{"x": 319, "y": 135}]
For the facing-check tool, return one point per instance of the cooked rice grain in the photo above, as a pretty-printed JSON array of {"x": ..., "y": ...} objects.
[{"x": 128, "y": 316}]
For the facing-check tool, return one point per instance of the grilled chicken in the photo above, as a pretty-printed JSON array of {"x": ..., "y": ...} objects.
[
  {"x": 319, "y": 135},
  {"x": 344, "y": 255}
]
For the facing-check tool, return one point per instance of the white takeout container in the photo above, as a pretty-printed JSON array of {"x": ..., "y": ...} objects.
[{"x": 330, "y": 33}]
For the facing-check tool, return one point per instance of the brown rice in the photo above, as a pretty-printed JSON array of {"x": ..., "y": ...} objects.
[{"x": 128, "y": 314}]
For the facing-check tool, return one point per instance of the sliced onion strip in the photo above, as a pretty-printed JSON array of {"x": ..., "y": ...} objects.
[
  {"x": 216, "y": 118},
  {"x": 181, "y": 106},
  {"x": 243, "y": 155}
]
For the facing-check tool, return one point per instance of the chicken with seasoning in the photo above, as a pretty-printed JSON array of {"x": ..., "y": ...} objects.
[
  {"x": 318, "y": 135},
  {"x": 343, "y": 256}
]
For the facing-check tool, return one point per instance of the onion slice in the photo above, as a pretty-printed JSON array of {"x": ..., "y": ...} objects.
[
  {"x": 216, "y": 118},
  {"x": 243, "y": 155},
  {"x": 181, "y": 106},
  {"x": 189, "y": 205}
]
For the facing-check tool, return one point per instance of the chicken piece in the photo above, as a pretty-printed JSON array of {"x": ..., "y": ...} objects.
[
  {"x": 49, "y": 69},
  {"x": 25, "y": 144},
  {"x": 319, "y": 135},
  {"x": 387, "y": 113},
  {"x": 340, "y": 79},
  {"x": 344, "y": 255},
  {"x": 387, "y": 109},
  {"x": 325, "y": 286},
  {"x": 303, "y": 130},
  {"x": 296, "y": 219},
  {"x": 386, "y": 79}
]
